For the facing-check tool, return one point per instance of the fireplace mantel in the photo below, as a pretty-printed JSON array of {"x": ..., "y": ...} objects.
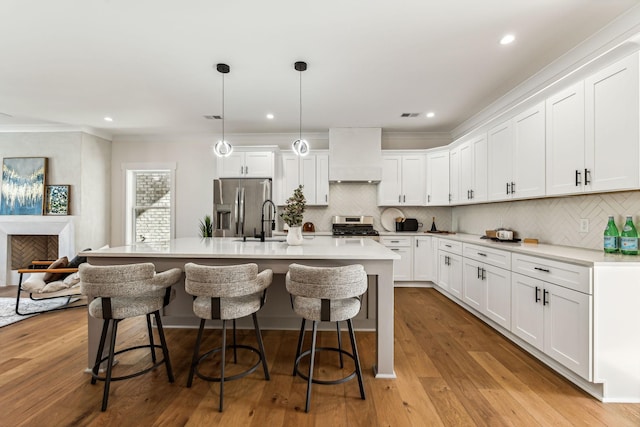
[{"x": 61, "y": 226}]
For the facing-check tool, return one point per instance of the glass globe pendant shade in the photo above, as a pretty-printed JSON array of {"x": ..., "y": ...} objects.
[
  {"x": 223, "y": 149},
  {"x": 300, "y": 147}
]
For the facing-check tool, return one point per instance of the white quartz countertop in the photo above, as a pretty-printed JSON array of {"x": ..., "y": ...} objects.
[
  {"x": 313, "y": 247},
  {"x": 588, "y": 257}
]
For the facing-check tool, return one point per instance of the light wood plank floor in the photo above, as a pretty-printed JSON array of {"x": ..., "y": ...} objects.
[{"x": 452, "y": 370}]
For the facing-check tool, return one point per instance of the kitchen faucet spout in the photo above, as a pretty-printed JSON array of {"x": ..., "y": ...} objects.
[{"x": 262, "y": 220}]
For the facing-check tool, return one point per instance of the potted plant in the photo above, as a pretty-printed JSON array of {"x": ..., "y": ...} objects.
[
  {"x": 206, "y": 227},
  {"x": 292, "y": 216}
]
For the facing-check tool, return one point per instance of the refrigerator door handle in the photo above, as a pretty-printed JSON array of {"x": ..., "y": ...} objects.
[
  {"x": 236, "y": 209},
  {"x": 242, "y": 210}
]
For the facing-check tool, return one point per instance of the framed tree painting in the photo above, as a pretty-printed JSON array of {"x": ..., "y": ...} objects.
[
  {"x": 56, "y": 200},
  {"x": 23, "y": 181}
]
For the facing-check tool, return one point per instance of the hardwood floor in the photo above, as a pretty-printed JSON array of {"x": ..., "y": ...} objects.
[{"x": 452, "y": 370}]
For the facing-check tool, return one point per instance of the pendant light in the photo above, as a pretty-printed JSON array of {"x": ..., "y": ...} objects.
[
  {"x": 300, "y": 146},
  {"x": 222, "y": 147}
]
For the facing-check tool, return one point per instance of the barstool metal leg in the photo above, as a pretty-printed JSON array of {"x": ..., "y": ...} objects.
[
  {"x": 103, "y": 338},
  {"x": 235, "y": 348},
  {"x": 299, "y": 347},
  {"x": 263, "y": 355},
  {"x": 165, "y": 348},
  {"x": 107, "y": 381},
  {"x": 151, "y": 343},
  {"x": 196, "y": 351},
  {"x": 222, "y": 352},
  {"x": 356, "y": 358},
  {"x": 313, "y": 356},
  {"x": 340, "y": 344}
]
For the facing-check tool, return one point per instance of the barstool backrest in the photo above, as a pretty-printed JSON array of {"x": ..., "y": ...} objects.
[
  {"x": 130, "y": 280},
  {"x": 225, "y": 281},
  {"x": 326, "y": 282}
]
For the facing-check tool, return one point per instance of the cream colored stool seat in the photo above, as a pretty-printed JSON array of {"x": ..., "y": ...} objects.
[
  {"x": 121, "y": 292},
  {"x": 226, "y": 293},
  {"x": 328, "y": 294}
]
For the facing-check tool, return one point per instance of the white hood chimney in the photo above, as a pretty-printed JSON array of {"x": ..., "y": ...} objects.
[{"x": 355, "y": 154}]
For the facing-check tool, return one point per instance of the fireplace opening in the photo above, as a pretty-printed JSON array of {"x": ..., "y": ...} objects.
[{"x": 26, "y": 248}]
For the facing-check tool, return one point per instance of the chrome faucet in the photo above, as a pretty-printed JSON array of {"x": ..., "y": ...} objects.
[{"x": 262, "y": 220}]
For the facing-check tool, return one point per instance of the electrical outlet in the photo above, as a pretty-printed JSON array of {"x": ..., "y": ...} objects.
[{"x": 584, "y": 225}]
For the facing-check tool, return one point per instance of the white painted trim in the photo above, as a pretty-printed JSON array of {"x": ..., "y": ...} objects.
[{"x": 47, "y": 127}]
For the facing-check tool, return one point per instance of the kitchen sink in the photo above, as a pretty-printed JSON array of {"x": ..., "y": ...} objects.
[{"x": 257, "y": 240}]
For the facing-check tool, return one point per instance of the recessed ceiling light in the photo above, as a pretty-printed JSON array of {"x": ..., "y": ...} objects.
[
  {"x": 431, "y": 114},
  {"x": 108, "y": 119},
  {"x": 507, "y": 39},
  {"x": 270, "y": 116}
]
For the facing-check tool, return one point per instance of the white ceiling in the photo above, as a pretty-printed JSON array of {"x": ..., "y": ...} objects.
[{"x": 150, "y": 64}]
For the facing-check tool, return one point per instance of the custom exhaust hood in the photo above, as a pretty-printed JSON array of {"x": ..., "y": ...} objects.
[{"x": 355, "y": 154}]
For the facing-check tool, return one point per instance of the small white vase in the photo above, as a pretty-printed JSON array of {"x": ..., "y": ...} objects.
[{"x": 294, "y": 236}]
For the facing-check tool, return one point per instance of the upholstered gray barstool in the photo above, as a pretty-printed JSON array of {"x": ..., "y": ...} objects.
[
  {"x": 324, "y": 294},
  {"x": 121, "y": 292},
  {"x": 227, "y": 293}
]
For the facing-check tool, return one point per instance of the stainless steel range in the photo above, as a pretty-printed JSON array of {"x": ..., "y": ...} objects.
[{"x": 354, "y": 226}]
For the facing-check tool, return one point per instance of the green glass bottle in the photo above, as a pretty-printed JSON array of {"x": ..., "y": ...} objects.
[
  {"x": 611, "y": 237},
  {"x": 629, "y": 238}
]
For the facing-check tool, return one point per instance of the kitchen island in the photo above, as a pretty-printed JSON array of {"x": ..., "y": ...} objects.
[{"x": 274, "y": 254}]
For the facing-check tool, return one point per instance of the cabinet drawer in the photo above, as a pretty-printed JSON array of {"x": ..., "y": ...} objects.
[
  {"x": 576, "y": 277},
  {"x": 395, "y": 241},
  {"x": 450, "y": 246},
  {"x": 489, "y": 256}
]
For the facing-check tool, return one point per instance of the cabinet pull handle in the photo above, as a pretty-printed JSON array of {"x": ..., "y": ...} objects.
[
  {"x": 578, "y": 178},
  {"x": 468, "y": 195},
  {"x": 428, "y": 198},
  {"x": 478, "y": 274},
  {"x": 449, "y": 196},
  {"x": 507, "y": 188},
  {"x": 587, "y": 172},
  {"x": 483, "y": 274},
  {"x": 542, "y": 269},
  {"x": 417, "y": 243},
  {"x": 481, "y": 254},
  {"x": 241, "y": 169},
  {"x": 404, "y": 198},
  {"x": 537, "y": 295},
  {"x": 399, "y": 198},
  {"x": 545, "y": 300},
  {"x": 394, "y": 249},
  {"x": 246, "y": 170},
  {"x": 471, "y": 191},
  {"x": 394, "y": 241},
  {"x": 513, "y": 188},
  {"x": 326, "y": 197}
]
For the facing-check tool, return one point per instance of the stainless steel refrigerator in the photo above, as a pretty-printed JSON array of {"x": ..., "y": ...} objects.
[{"x": 237, "y": 207}]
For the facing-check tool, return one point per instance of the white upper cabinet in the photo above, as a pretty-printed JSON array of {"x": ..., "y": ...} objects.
[
  {"x": 612, "y": 120},
  {"x": 311, "y": 171},
  {"x": 472, "y": 171},
  {"x": 438, "y": 178},
  {"x": 403, "y": 180},
  {"x": 516, "y": 151},
  {"x": 455, "y": 183},
  {"x": 565, "y": 141},
  {"x": 250, "y": 164}
]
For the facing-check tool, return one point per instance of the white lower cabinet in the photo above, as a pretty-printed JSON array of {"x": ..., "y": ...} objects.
[
  {"x": 450, "y": 267},
  {"x": 403, "y": 267},
  {"x": 488, "y": 289},
  {"x": 555, "y": 320},
  {"x": 424, "y": 259}
]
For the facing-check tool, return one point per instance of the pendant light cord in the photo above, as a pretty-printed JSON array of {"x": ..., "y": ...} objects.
[
  {"x": 300, "y": 72},
  {"x": 223, "y": 118}
]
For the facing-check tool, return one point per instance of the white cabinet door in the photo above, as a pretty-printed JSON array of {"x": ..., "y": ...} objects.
[
  {"x": 479, "y": 168},
  {"x": 389, "y": 189},
  {"x": 473, "y": 288},
  {"x": 529, "y": 153},
  {"x": 465, "y": 173},
  {"x": 424, "y": 257},
  {"x": 231, "y": 166},
  {"x": 438, "y": 178},
  {"x": 565, "y": 141},
  {"x": 497, "y": 297},
  {"x": 499, "y": 140},
  {"x": 455, "y": 274},
  {"x": 527, "y": 320},
  {"x": 290, "y": 176},
  {"x": 322, "y": 179},
  {"x": 612, "y": 120},
  {"x": 444, "y": 270},
  {"x": 308, "y": 178},
  {"x": 567, "y": 334},
  {"x": 455, "y": 180},
  {"x": 413, "y": 180},
  {"x": 258, "y": 164},
  {"x": 403, "y": 267}
]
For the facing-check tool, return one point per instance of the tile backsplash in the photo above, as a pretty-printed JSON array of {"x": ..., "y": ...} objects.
[{"x": 551, "y": 220}]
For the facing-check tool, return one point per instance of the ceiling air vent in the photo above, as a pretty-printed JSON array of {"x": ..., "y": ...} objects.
[
  {"x": 409, "y": 114},
  {"x": 213, "y": 117}
]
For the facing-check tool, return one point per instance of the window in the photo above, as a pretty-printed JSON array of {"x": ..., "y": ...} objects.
[{"x": 149, "y": 207}]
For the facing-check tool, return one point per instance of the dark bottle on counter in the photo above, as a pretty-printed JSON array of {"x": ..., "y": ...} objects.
[
  {"x": 611, "y": 237},
  {"x": 629, "y": 238}
]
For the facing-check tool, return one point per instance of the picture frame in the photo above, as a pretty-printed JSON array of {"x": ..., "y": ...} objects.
[
  {"x": 57, "y": 200},
  {"x": 22, "y": 188}
]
